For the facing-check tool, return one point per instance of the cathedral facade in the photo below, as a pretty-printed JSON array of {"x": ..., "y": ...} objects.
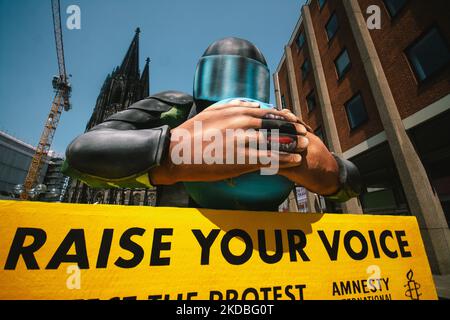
[{"x": 121, "y": 88}]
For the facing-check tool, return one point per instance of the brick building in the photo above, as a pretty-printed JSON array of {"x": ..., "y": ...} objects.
[{"x": 381, "y": 98}]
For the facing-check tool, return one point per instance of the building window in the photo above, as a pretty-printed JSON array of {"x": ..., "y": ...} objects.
[
  {"x": 301, "y": 40},
  {"x": 305, "y": 68},
  {"x": 332, "y": 26},
  {"x": 321, "y": 3},
  {"x": 394, "y": 6},
  {"x": 429, "y": 54},
  {"x": 356, "y": 111},
  {"x": 283, "y": 102},
  {"x": 319, "y": 133},
  {"x": 342, "y": 64},
  {"x": 311, "y": 101}
]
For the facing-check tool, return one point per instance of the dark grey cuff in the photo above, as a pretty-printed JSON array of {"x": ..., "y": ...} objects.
[
  {"x": 117, "y": 154},
  {"x": 350, "y": 181}
]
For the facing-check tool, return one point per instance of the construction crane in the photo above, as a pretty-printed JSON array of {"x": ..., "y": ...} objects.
[{"x": 62, "y": 91}]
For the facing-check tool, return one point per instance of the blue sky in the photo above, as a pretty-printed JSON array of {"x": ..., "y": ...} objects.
[{"x": 174, "y": 34}]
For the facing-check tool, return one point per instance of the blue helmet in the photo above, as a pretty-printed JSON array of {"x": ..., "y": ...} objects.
[
  {"x": 235, "y": 68},
  {"x": 231, "y": 67}
]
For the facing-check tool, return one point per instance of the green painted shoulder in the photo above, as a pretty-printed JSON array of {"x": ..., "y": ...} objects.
[
  {"x": 173, "y": 106},
  {"x": 138, "y": 181}
]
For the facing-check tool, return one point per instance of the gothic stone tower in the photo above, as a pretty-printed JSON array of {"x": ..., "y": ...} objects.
[{"x": 124, "y": 86}]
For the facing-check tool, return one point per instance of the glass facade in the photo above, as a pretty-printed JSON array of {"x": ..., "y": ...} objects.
[{"x": 15, "y": 159}]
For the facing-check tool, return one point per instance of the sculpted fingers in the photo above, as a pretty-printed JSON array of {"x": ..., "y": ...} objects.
[
  {"x": 293, "y": 118},
  {"x": 268, "y": 158},
  {"x": 268, "y": 139}
]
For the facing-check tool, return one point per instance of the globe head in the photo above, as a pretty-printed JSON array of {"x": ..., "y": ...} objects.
[{"x": 251, "y": 191}]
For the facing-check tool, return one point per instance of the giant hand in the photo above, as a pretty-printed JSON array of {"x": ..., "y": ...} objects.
[
  {"x": 234, "y": 115},
  {"x": 318, "y": 171}
]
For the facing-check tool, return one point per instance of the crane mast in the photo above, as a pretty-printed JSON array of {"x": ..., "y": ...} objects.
[{"x": 61, "y": 101}]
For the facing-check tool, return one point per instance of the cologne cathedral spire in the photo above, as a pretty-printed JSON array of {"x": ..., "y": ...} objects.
[
  {"x": 130, "y": 63},
  {"x": 124, "y": 86}
]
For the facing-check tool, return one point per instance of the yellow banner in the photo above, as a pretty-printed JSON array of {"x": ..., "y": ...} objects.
[{"x": 68, "y": 251}]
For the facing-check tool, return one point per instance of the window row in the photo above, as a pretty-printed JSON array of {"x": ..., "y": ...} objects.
[
  {"x": 354, "y": 108},
  {"x": 429, "y": 54},
  {"x": 342, "y": 64}
]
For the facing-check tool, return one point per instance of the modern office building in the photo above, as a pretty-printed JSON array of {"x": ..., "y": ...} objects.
[
  {"x": 15, "y": 159},
  {"x": 372, "y": 78}
]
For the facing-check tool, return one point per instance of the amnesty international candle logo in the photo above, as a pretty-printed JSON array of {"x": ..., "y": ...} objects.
[
  {"x": 72, "y": 251},
  {"x": 412, "y": 286}
]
